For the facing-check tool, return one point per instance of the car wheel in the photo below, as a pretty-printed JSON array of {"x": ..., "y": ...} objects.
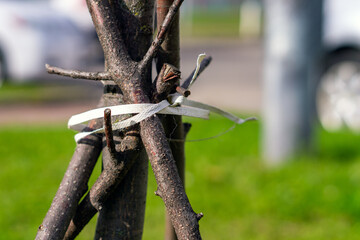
[{"x": 338, "y": 95}]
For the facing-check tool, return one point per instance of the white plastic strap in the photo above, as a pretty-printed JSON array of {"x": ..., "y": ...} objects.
[
  {"x": 198, "y": 64},
  {"x": 203, "y": 106},
  {"x": 143, "y": 111},
  {"x": 75, "y": 122},
  {"x": 178, "y": 105}
]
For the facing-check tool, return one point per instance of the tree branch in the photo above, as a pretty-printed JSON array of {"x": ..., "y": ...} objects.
[
  {"x": 183, "y": 218},
  {"x": 106, "y": 24},
  {"x": 183, "y": 91},
  {"x": 97, "y": 76},
  {"x": 170, "y": 53},
  {"x": 73, "y": 186},
  {"x": 109, "y": 135},
  {"x": 203, "y": 66},
  {"x": 103, "y": 188},
  {"x": 159, "y": 39}
]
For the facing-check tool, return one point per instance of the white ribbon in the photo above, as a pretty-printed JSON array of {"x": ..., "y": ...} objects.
[
  {"x": 178, "y": 105},
  {"x": 200, "y": 58}
]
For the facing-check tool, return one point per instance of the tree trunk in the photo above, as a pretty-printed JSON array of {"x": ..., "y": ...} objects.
[
  {"x": 122, "y": 217},
  {"x": 122, "y": 214}
]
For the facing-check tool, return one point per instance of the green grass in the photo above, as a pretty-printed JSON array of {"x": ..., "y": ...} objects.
[
  {"x": 315, "y": 197},
  {"x": 35, "y": 93},
  {"x": 221, "y": 23}
]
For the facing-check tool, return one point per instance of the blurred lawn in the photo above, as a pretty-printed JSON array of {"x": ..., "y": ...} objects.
[
  {"x": 310, "y": 198},
  {"x": 220, "y": 23},
  {"x": 45, "y": 92}
]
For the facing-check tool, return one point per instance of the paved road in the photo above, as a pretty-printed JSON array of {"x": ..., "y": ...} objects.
[{"x": 232, "y": 81}]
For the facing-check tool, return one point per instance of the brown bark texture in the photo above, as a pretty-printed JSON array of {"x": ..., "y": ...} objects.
[
  {"x": 116, "y": 167},
  {"x": 72, "y": 187},
  {"x": 131, "y": 77},
  {"x": 121, "y": 196},
  {"x": 112, "y": 176},
  {"x": 122, "y": 216},
  {"x": 172, "y": 124},
  {"x": 125, "y": 30}
]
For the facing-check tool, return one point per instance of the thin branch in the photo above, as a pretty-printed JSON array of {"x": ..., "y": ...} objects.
[
  {"x": 203, "y": 65},
  {"x": 183, "y": 91},
  {"x": 170, "y": 53},
  {"x": 161, "y": 35},
  {"x": 97, "y": 76},
  {"x": 109, "y": 134}
]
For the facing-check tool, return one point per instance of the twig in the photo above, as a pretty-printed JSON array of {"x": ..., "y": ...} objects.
[
  {"x": 97, "y": 76},
  {"x": 109, "y": 134},
  {"x": 161, "y": 35},
  {"x": 183, "y": 91},
  {"x": 203, "y": 65}
]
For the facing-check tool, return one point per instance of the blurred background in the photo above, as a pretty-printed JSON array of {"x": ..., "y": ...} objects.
[{"x": 294, "y": 174}]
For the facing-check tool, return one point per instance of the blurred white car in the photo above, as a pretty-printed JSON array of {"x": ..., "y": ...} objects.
[
  {"x": 338, "y": 96},
  {"x": 36, "y": 32}
]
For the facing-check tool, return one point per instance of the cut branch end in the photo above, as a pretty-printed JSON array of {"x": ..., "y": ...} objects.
[{"x": 183, "y": 91}]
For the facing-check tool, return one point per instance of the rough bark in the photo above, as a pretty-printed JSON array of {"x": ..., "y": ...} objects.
[
  {"x": 116, "y": 169},
  {"x": 131, "y": 78},
  {"x": 172, "y": 124},
  {"x": 72, "y": 187},
  {"x": 121, "y": 206},
  {"x": 122, "y": 216},
  {"x": 112, "y": 176},
  {"x": 170, "y": 187},
  {"x": 130, "y": 68}
]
